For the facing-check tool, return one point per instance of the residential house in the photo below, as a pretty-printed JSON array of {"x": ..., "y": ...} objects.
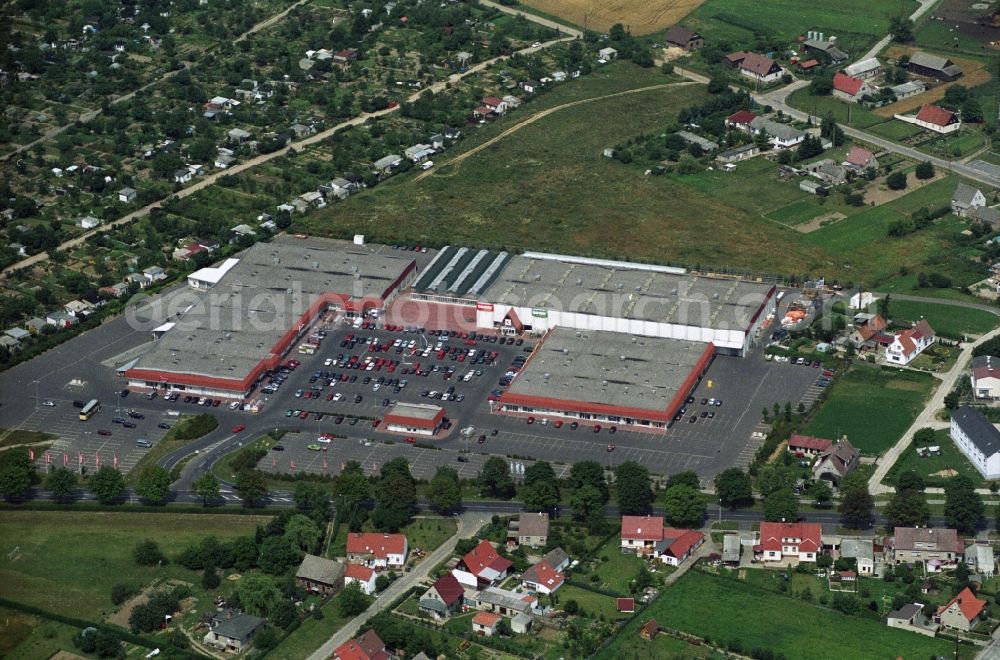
[
  {"x": 691, "y": 138},
  {"x": 836, "y": 462},
  {"x": 731, "y": 547},
  {"x": 444, "y": 597},
  {"x": 965, "y": 199},
  {"x": 828, "y": 47},
  {"x": 684, "y": 38},
  {"x": 862, "y": 551},
  {"x": 962, "y": 612},
  {"x": 485, "y": 623},
  {"x": 557, "y": 558},
  {"x": 320, "y": 575},
  {"x": 529, "y": 529},
  {"x": 495, "y": 104},
  {"x": 377, "y": 550},
  {"x": 482, "y": 566},
  {"x": 301, "y": 130},
  {"x": 979, "y": 556},
  {"x": 937, "y": 119},
  {"x": 154, "y": 274},
  {"x": 418, "y": 152},
  {"x": 222, "y": 161},
  {"x": 88, "y": 222},
  {"x": 924, "y": 544},
  {"x": 649, "y": 630},
  {"x": 387, "y": 163},
  {"x": 851, "y": 89},
  {"x": 740, "y": 120},
  {"x": 860, "y": 159},
  {"x": 126, "y": 195},
  {"x": 737, "y": 154},
  {"x": 977, "y": 438},
  {"x": 827, "y": 171},
  {"x": 542, "y": 578},
  {"x": 238, "y": 135},
  {"x": 911, "y": 617},
  {"x": 933, "y": 66},
  {"x": 755, "y": 66},
  {"x": 345, "y": 56},
  {"x": 867, "y": 327},
  {"x": 367, "y": 647},
  {"x": 116, "y": 290},
  {"x": 232, "y": 631},
  {"x": 640, "y": 534},
  {"x": 781, "y": 136},
  {"x": 530, "y": 86},
  {"x": 986, "y": 377},
  {"x": 783, "y": 540},
  {"x": 607, "y": 54},
  {"x": 362, "y": 575},
  {"x": 341, "y": 188},
  {"x": 805, "y": 445},
  {"x": 865, "y": 69},
  {"x": 908, "y": 344},
  {"x": 625, "y": 605},
  {"x": 503, "y": 601},
  {"x": 677, "y": 545}
]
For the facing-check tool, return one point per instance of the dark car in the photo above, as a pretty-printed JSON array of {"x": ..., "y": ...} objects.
[
  {"x": 482, "y": 439},
  {"x": 104, "y": 432},
  {"x": 129, "y": 425},
  {"x": 277, "y": 448},
  {"x": 494, "y": 431},
  {"x": 574, "y": 426},
  {"x": 124, "y": 393},
  {"x": 163, "y": 425}
]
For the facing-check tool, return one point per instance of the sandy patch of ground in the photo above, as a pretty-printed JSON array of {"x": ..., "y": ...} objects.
[
  {"x": 121, "y": 617},
  {"x": 641, "y": 17},
  {"x": 819, "y": 222},
  {"x": 946, "y": 473},
  {"x": 973, "y": 74},
  {"x": 878, "y": 193}
]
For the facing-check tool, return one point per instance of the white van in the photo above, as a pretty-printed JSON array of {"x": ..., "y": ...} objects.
[{"x": 427, "y": 165}]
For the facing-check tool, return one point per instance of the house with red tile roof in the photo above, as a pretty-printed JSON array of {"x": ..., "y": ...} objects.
[
  {"x": 850, "y": 89},
  {"x": 781, "y": 540},
  {"x": 625, "y": 605},
  {"x": 640, "y": 534},
  {"x": 740, "y": 120},
  {"x": 962, "y": 612},
  {"x": 482, "y": 566},
  {"x": 908, "y": 344},
  {"x": 807, "y": 445},
  {"x": 443, "y": 598},
  {"x": 542, "y": 578},
  {"x": 936, "y": 119},
  {"x": 867, "y": 328},
  {"x": 677, "y": 545},
  {"x": 485, "y": 623},
  {"x": 376, "y": 550},
  {"x": 986, "y": 377},
  {"x": 362, "y": 575},
  {"x": 859, "y": 158},
  {"x": 497, "y": 105},
  {"x": 367, "y": 647}
]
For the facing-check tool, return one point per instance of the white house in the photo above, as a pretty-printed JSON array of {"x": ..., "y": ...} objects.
[
  {"x": 779, "y": 540},
  {"x": 966, "y": 199},
  {"x": 862, "y": 551},
  {"x": 126, "y": 195},
  {"x": 935, "y": 119},
  {"x": 978, "y": 439},
  {"x": 362, "y": 575},
  {"x": 607, "y": 54},
  {"x": 780, "y": 135},
  {"x": 908, "y": 344},
  {"x": 986, "y": 377},
  {"x": 640, "y": 534},
  {"x": 88, "y": 222},
  {"x": 542, "y": 578}
]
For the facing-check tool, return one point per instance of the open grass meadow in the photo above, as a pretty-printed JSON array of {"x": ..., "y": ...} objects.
[
  {"x": 936, "y": 470},
  {"x": 855, "y": 23},
  {"x": 872, "y": 406},
  {"x": 27, "y": 637},
  {"x": 725, "y": 609},
  {"x": 310, "y": 635},
  {"x": 67, "y": 561},
  {"x": 947, "y": 320}
]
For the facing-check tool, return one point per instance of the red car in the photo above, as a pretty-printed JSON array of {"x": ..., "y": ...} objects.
[
  {"x": 239, "y": 428},
  {"x": 104, "y": 432},
  {"x": 376, "y": 422},
  {"x": 303, "y": 415},
  {"x": 531, "y": 420},
  {"x": 558, "y": 423},
  {"x": 411, "y": 440},
  {"x": 597, "y": 428}
]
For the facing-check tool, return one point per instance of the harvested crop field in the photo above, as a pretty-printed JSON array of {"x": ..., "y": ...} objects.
[
  {"x": 638, "y": 16},
  {"x": 974, "y": 73}
]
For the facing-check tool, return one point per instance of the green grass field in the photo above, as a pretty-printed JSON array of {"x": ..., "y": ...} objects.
[
  {"x": 724, "y": 609},
  {"x": 310, "y": 635},
  {"x": 850, "y": 114},
  {"x": 855, "y": 22},
  {"x": 929, "y": 467},
  {"x": 948, "y": 320},
  {"x": 27, "y": 637},
  {"x": 872, "y": 407},
  {"x": 69, "y": 560},
  {"x": 13, "y": 437}
]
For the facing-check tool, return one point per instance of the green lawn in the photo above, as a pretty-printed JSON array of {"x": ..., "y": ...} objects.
[
  {"x": 592, "y": 604},
  {"x": 871, "y": 406},
  {"x": 851, "y": 114},
  {"x": 894, "y": 129},
  {"x": 12, "y": 437},
  {"x": 31, "y": 638},
  {"x": 725, "y": 609},
  {"x": 947, "y": 320},
  {"x": 929, "y": 467},
  {"x": 618, "y": 571},
  {"x": 69, "y": 560},
  {"x": 310, "y": 635}
]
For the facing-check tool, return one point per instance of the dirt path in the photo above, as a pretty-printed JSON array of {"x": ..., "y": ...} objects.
[
  {"x": 532, "y": 119},
  {"x": 293, "y": 148}
]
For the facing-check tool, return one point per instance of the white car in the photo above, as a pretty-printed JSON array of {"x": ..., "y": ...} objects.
[
  {"x": 338, "y": 396},
  {"x": 49, "y": 404},
  {"x": 397, "y": 343},
  {"x": 323, "y": 440},
  {"x": 537, "y": 44},
  {"x": 327, "y": 362},
  {"x": 234, "y": 405},
  {"x": 376, "y": 387},
  {"x": 412, "y": 344}
]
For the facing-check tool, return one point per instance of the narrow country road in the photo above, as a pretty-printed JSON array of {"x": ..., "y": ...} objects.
[
  {"x": 294, "y": 147},
  {"x": 468, "y": 523},
  {"x": 89, "y": 116}
]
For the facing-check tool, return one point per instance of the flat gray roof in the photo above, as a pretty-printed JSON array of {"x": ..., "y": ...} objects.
[
  {"x": 234, "y": 325},
  {"x": 415, "y": 410},
  {"x": 612, "y": 368},
  {"x": 624, "y": 290}
]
